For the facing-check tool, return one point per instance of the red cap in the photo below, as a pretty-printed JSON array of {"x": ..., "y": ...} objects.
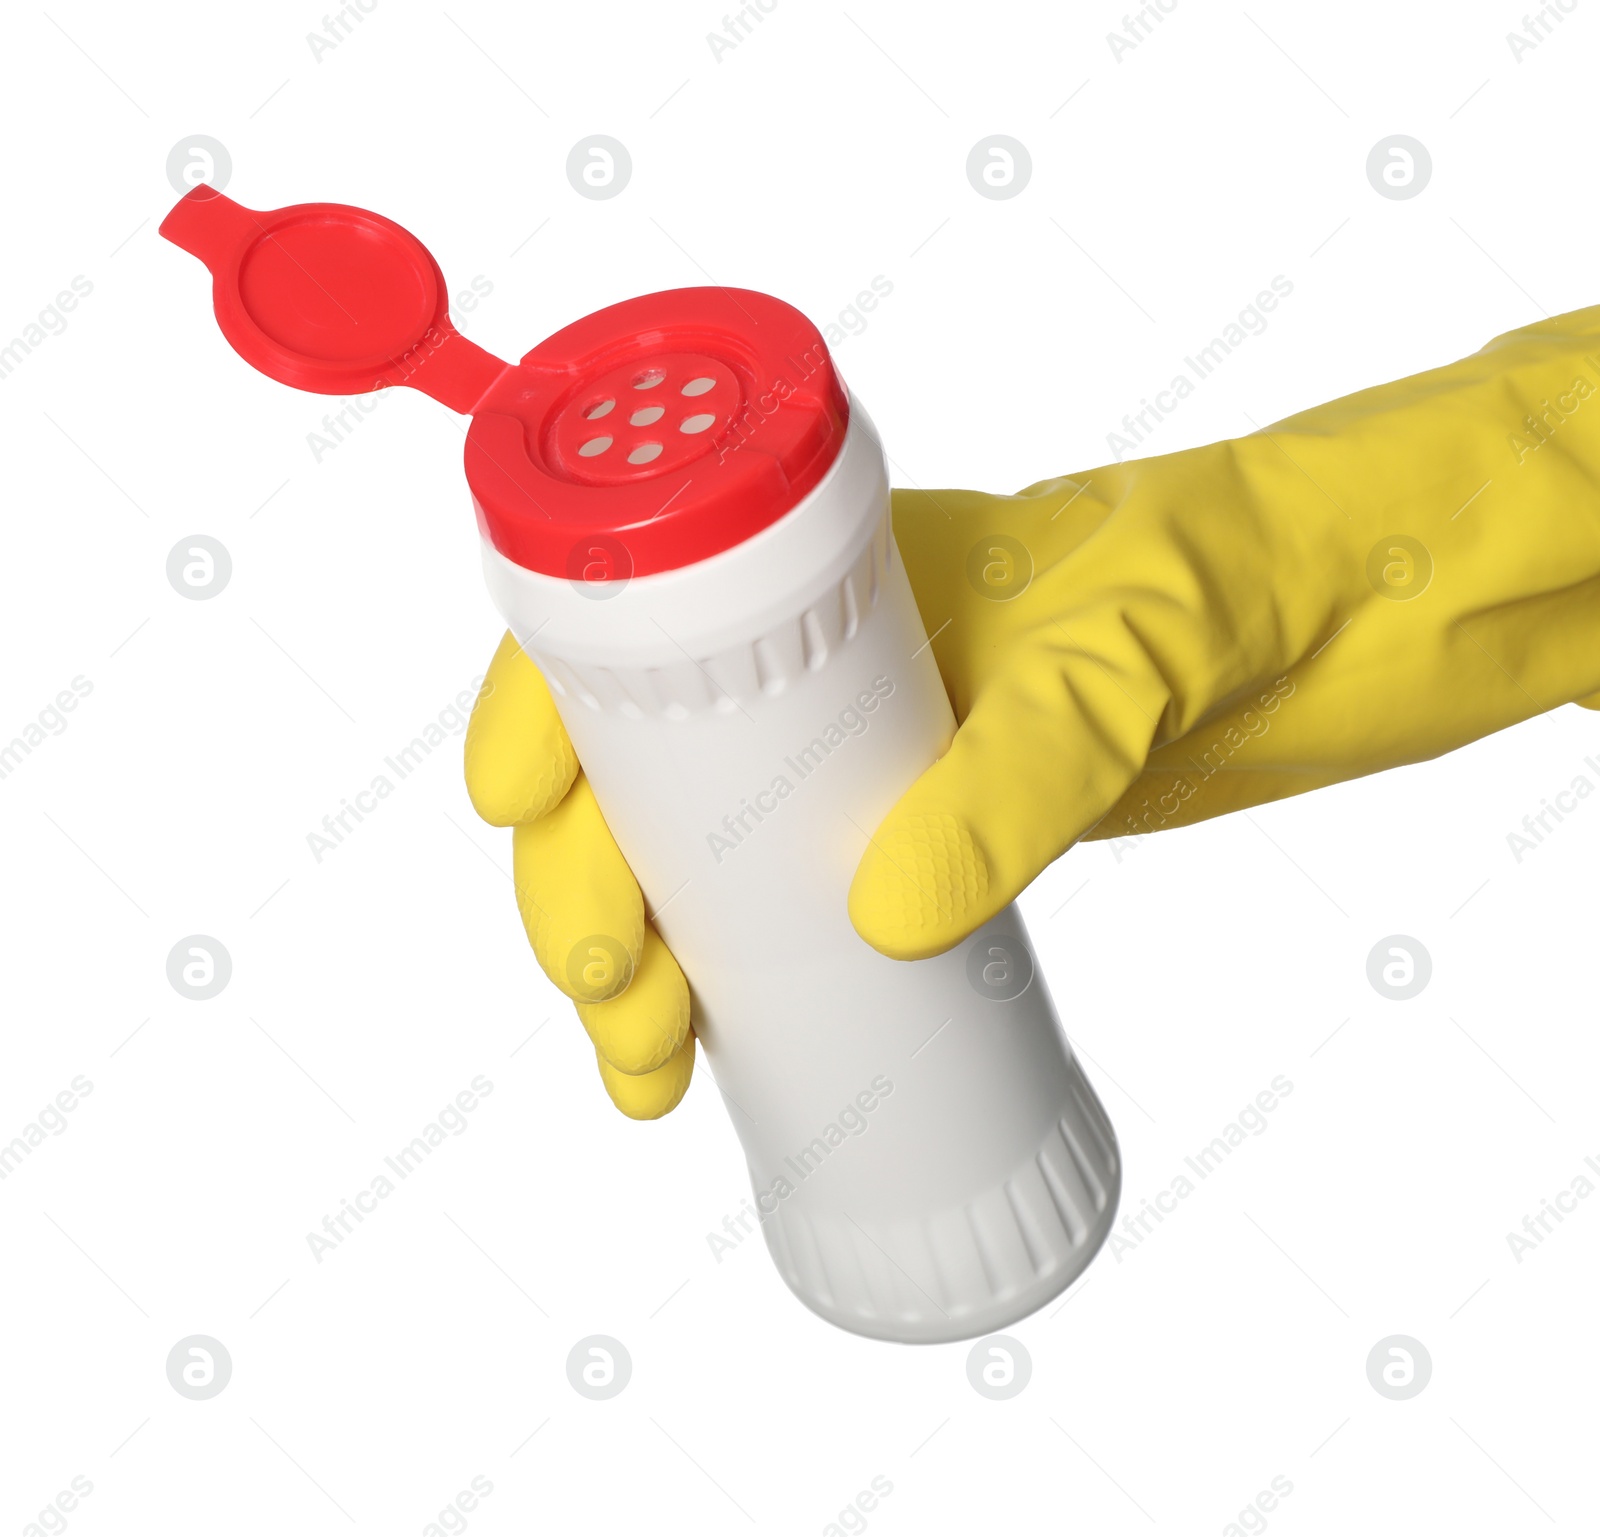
[{"x": 642, "y": 438}]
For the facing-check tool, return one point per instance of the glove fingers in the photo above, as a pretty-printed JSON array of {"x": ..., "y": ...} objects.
[
  {"x": 579, "y": 901},
  {"x": 519, "y": 762},
  {"x": 1047, "y": 749},
  {"x": 642, "y": 1028},
  {"x": 648, "y": 1096}
]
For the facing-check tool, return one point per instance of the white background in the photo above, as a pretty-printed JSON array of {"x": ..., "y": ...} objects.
[{"x": 826, "y": 149}]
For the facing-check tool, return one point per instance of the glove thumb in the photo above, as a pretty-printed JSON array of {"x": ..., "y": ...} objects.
[{"x": 1047, "y": 749}]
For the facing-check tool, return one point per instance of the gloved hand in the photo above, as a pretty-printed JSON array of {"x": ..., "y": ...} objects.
[{"x": 1372, "y": 582}]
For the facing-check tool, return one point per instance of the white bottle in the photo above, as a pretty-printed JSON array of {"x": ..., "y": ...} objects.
[
  {"x": 927, "y": 1158},
  {"x": 686, "y": 525}
]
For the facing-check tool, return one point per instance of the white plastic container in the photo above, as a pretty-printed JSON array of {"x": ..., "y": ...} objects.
[
  {"x": 927, "y": 1157},
  {"x": 686, "y": 525}
]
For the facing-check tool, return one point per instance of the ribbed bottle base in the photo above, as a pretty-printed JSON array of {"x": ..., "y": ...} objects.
[{"x": 966, "y": 1270}]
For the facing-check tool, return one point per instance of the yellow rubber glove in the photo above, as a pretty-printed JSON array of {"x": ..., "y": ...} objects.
[{"x": 1373, "y": 582}]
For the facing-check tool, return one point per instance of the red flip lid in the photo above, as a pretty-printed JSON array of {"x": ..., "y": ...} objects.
[{"x": 641, "y": 438}]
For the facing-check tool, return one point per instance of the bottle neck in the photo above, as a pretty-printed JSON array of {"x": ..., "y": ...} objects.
[{"x": 729, "y": 599}]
